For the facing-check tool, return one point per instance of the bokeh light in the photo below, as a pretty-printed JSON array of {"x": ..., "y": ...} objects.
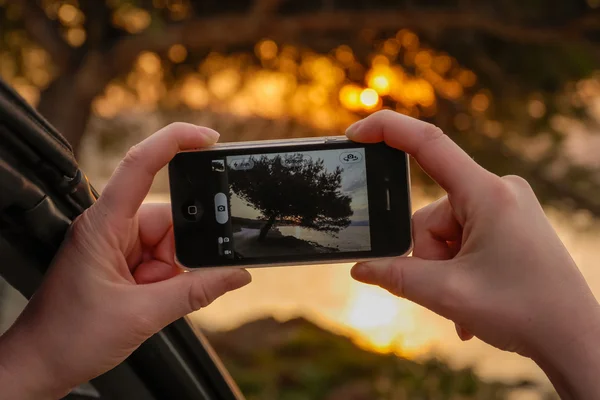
[{"x": 369, "y": 98}]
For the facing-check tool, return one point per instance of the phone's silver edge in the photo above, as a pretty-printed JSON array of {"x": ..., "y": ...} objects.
[
  {"x": 410, "y": 206},
  {"x": 274, "y": 143},
  {"x": 294, "y": 264}
]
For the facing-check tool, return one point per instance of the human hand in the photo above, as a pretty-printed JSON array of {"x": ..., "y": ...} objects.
[
  {"x": 486, "y": 257},
  {"x": 113, "y": 283}
]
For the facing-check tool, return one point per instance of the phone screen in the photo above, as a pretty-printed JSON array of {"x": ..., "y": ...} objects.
[
  {"x": 293, "y": 203},
  {"x": 289, "y": 204}
]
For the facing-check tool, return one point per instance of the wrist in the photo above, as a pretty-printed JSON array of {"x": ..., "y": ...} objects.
[
  {"x": 24, "y": 374},
  {"x": 569, "y": 352}
]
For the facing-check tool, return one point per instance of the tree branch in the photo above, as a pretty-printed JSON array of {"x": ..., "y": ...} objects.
[
  {"x": 45, "y": 32},
  {"x": 202, "y": 33}
]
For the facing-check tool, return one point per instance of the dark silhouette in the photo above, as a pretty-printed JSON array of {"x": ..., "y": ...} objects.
[{"x": 295, "y": 191}]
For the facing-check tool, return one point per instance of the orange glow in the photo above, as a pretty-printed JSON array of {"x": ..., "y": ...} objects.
[
  {"x": 149, "y": 62},
  {"x": 266, "y": 50},
  {"x": 381, "y": 84},
  {"x": 369, "y": 98},
  {"x": 76, "y": 37},
  {"x": 467, "y": 78},
  {"x": 344, "y": 55},
  {"x": 441, "y": 64},
  {"x": 384, "y": 323},
  {"x": 381, "y": 78},
  {"x": 408, "y": 39},
  {"x": 224, "y": 83},
  {"x": 350, "y": 97},
  {"x": 423, "y": 59},
  {"x": 194, "y": 93},
  {"x": 69, "y": 15},
  {"x": 480, "y": 102},
  {"x": 177, "y": 53},
  {"x": 391, "y": 47},
  {"x": 536, "y": 108},
  {"x": 450, "y": 89},
  {"x": 380, "y": 59},
  {"x": 132, "y": 19}
]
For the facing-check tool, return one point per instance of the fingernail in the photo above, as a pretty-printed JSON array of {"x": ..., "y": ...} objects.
[
  {"x": 352, "y": 130},
  {"x": 211, "y": 133},
  {"x": 241, "y": 278},
  {"x": 360, "y": 270}
]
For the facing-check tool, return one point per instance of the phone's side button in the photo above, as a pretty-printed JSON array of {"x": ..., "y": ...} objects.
[{"x": 221, "y": 212}]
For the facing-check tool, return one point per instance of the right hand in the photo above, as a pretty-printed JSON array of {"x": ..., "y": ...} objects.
[{"x": 486, "y": 257}]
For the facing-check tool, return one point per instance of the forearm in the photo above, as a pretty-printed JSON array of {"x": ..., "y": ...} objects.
[
  {"x": 570, "y": 357},
  {"x": 23, "y": 373}
]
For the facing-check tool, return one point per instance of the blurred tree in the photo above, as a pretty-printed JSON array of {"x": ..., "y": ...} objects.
[
  {"x": 313, "y": 200},
  {"x": 500, "y": 77}
]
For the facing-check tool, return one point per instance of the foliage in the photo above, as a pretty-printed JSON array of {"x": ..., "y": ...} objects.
[
  {"x": 298, "y": 360},
  {"x": 312, "y": 199}
]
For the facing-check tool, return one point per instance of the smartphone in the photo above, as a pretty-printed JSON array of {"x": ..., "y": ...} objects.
[{"x": 290, "y": 202}]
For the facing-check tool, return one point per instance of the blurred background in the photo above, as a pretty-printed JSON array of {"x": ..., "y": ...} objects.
[{"x": 515, "y": 83}]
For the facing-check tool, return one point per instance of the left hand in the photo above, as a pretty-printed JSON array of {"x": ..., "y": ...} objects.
[{"x": 113, "y": 283}]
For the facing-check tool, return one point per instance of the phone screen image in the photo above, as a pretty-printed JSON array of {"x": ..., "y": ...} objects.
[{"x": 293, "y": 203}]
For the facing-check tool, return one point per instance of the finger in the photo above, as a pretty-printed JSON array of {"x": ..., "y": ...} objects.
[
  {"x": 462, "y": 333},
  {"x": 434, "y": 227},
  {"x": 154, "y": 236},
  {"x": 155, "y": 271},
  {"x": 428, "y": 283},
  {"x": 439, "y": 156},
  {"x": 132, "y": 179},
  {"x": 187, "y": 292},
  {"x": 155, "y": 220}
]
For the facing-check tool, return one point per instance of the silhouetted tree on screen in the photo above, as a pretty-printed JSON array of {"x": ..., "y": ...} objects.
[{"x": 295, "y": 190}]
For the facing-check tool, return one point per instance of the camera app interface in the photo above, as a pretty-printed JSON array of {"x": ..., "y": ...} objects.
[{"x": 296, "y": 203}]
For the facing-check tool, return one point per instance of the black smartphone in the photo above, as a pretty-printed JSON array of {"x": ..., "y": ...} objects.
[{"x": 290, "y": 202}]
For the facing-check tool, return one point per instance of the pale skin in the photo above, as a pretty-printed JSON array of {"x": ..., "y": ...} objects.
[{"x": 485, "y": 257}]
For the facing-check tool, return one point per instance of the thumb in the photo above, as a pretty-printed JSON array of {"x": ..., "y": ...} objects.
[
  {"x": 180, "y": 295},
  {"x": 430, "y": 283}
]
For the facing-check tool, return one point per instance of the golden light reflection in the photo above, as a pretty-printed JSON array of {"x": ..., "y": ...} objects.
[
  {"x": 76, "y": 36},
  {"x": 344, "y": 55},
  {"x": 480, "y": 102},
  {"x": 177, "y": 53},
  {"x": 467, "y": 78},
  {"x": 423, "y": 59},
  {"x": 536, "y": 108},
  {"x": 369, "y": 98},
  {"x": 194, "y": 93},
  {"x": 69, "y": 15},
  {"x": 381, "y": 78},
  {"x": 224, "y": 83},
  {"x": 266, "y": 50},
  {"x": 149, "y": 62},
  {"x": 132, "y": 19},
  {"x": 408, "y": 39}
]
